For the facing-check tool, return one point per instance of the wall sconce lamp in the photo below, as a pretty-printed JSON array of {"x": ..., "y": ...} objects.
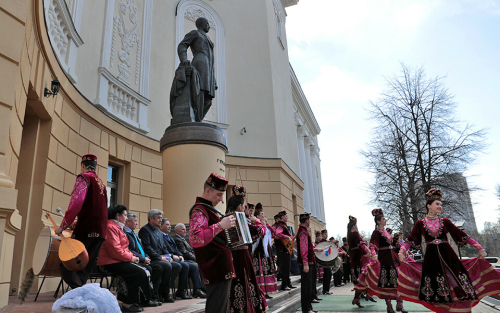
[
  {"x": 243, "y": 131},
  {"x": 55, "y": 86}
]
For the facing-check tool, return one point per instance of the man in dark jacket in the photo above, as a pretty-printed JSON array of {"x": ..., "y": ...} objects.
[
  {"x": 188, "y": 269},
  {"x": 182, "y": 244},
  {"x": 136, "y": 248},
  {"x": 154, "y": 247}
]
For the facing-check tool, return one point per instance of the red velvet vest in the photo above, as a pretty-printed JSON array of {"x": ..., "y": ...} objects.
[
  {"x": 93, "y": 217},
  {"x": 310, "y": 252},
  {"x": 215, "y": 259},
  {"x": 277, "y": 243}
]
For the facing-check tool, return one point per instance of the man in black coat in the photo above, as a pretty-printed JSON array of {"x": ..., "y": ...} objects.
[
  {"x": 153, "y": 245},
  {"x": 188, "y": 269},
  {"x": 182, "y": 244},
  {"x": 136, "y": 248}
]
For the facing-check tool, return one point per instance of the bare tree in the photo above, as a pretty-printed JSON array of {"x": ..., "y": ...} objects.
[{"x": 418, "y": 144}]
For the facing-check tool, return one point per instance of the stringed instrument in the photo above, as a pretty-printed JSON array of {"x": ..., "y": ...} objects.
[
  {"x": 72, "y": 252},
  {"x": 288, "y": 244}
]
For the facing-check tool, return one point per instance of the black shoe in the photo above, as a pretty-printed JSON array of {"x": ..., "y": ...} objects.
[
  {"x": 327, "y": 293},
  {"x": 168, "y": 299},
  {"x": 314, "y": 301},
  {"x": 199, "y": 294},
  {"x": 285, "y": 288},
  {"x": 158, "y": 301},
  {"x": 291, "y": 287},
  {"x": 182, "y": 295},
  {"x": 268, "y": 297},
  {"x": 319, "y": 299},
  {"x": 131, "y": 308},
  {"x": 150, "y": 304}
]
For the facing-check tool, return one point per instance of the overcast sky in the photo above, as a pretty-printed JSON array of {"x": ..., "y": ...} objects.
[{"x": 342, "y": 50}]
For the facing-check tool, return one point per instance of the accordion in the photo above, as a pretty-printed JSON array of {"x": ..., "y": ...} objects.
[{"x": 238, "y": 235}]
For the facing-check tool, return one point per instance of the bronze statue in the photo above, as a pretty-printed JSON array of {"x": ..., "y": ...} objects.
[{"x": 194, "y": 84}]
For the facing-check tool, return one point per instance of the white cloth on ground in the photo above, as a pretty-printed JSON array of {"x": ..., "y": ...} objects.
[{"x": 91, "y": 297}]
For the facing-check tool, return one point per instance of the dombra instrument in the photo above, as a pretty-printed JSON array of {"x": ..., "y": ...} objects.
[
  {"x": 327, "y": 259},
  {"x": 288, "y": 244},
  {"x": 71, "y": 252}
]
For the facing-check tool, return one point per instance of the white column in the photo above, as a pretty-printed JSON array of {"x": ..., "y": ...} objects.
[
  {"x": 303, "y": 168},
  {"x": 320, "y": 187},
  {"x": 314, "y": 185},
  {"x": 316, "y": 162},
  {"x": 309, "y": 186}
]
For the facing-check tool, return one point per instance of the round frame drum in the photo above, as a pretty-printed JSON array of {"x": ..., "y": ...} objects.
[
  {"x": 324, "y": 260},
  {"x": 46, "y": 257}
]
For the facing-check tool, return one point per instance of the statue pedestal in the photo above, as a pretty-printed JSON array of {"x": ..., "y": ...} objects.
[{"x": 190, "y": 152}]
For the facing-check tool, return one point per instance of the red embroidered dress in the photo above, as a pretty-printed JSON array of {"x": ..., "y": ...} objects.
[
  {"x": 246, "y": 295},
  {"x": 381, "y": 277},
  {"x": 264, "y": 264},
  {"x": 443, "y": 282},
  {"x": 213, "y": 257}
]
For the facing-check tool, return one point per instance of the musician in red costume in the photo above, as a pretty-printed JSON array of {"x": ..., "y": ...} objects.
[
  {"x": 327, "y": 271},
  {"x": 246, "y": 295},
  {"x": 346, "y": 261},
  {"x": 282, "y": 232},
  {"x": 209, "y": 241},
  {"x": 89, "y": 203},
  {"x": 306, "y": 260},
  {"x": 446, "y": 283},
  {"x": 319, "y": 270},
  {"x": 381, "y": 275},
  {"x": 359, "y": 258}
]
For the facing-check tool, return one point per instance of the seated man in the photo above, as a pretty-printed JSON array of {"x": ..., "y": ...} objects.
[
  {"x": 153, "y": 245},
  {"x": 136, "y": 248},
  {"x": 182, "y": 244},
  {"x": 188, "y": 269}
]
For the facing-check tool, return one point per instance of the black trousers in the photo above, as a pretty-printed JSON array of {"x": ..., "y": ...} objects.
[
  {"x": 169, "y": 274},
  {"x": 136, "y": 280},
  {"x": 347, "y": 272},
  {"x": 337, "y": 278},
  {"x": 284, "y": 264},
  {"x": 313, "y": 268},
  {"x": 156, "y": 272},
  {"x": 218, "y": 297},
  {"x": 305, "y": 290},
  {"x": 188, "y": 271},
  {"x": 327, "y": 279},
  {"x": 78, "y": 279}
]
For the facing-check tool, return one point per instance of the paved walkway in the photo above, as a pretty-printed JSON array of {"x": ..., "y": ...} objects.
[{"x": 346, "y": 290}]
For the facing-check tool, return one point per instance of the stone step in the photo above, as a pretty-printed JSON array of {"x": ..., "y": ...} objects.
[{"x": 291, "y": 301}]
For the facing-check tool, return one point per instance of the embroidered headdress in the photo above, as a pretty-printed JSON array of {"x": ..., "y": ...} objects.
[
  {"x": 352, "y": 219},
  {"x": 344, "y": 239},
  {"x": 281, "y": 214},
  {"x": 89, "y": 157},
  {"x": 239, "y": 191},
  {"x": 317, "y": 233},
  {"x": 434, "y": 194},
  {"x": 217, "y": 182},
  {"x": 258, "y": 206},
  {"x": 377, "y": 212},
  {"x": 304, "y": 216},
  {"x": 250, "y": 206},
  {"x": 324, "y": 231}
]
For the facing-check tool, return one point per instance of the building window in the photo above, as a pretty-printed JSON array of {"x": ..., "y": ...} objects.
[{"x": 112, "y": 185}]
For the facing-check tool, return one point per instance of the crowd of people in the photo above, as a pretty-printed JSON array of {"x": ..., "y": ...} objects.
[{"x": 242, "y": 277}]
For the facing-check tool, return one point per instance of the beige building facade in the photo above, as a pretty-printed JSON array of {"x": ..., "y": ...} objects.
[{"x": 115, "y": 60}]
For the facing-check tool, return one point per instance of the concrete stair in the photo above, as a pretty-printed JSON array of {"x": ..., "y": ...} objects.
[{"x": 283, "y": 301}]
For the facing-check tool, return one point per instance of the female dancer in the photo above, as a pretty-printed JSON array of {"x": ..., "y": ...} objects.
[
  {"x": 246, "y": 295},
  {"x": 381, "y": 275},
  {"x": 358, "y": 255},
  {"x": 446, "y": 284},
  {"x": 263, "y": 260}
]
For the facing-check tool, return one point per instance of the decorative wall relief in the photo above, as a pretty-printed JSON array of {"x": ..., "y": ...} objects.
[
  {"x": 127, "y": 8},
  {"x": 194, "y": 13}
]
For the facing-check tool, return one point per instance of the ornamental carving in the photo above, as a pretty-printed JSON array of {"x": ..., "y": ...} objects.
[
  {"x": 128, "y": 36},
  {"x": 195, "y": 13}
]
